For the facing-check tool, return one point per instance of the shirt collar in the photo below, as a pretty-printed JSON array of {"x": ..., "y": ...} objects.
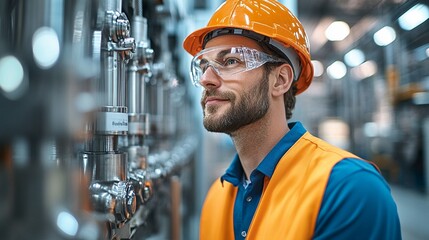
[{"x": 235, "y": 171}]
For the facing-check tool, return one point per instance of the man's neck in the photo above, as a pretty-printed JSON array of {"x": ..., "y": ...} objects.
[{"x": 254, "y": 141}]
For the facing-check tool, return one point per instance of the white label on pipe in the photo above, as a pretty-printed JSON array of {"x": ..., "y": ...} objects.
[{"x": 112, "y": 122}]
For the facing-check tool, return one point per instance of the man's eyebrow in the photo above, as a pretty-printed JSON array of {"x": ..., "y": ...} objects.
[{"x": 222, "y": 53}]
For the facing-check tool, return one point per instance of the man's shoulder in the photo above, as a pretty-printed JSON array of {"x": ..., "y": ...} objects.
[
  {"x": 357, "y": 204},
  {"x": 321, "y": 145},
  {"x": 353, "y": 179},
  {"x": 355, "y": 168}
]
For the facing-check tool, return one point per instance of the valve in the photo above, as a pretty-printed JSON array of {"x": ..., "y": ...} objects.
[
  {"x": 118, "y": 30},
  {"x": 116, "y": 199},
  {"x": 119, "y": 26}
]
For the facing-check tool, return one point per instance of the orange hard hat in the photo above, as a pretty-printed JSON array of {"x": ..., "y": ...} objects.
[{"x": 263, "y": 20}]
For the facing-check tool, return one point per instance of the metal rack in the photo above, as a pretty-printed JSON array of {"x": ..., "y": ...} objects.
[{"x": 92, "y": 144}]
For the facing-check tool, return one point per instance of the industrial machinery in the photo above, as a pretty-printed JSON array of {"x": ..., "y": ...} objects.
[{"x": 92, "y": 142}]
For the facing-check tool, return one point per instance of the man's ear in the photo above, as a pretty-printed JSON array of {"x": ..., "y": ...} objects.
[{"x": 284, "y": 79}]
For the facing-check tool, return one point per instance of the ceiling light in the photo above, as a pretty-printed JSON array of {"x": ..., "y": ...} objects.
[
  {"x": 384, "y": 36},
  {"x": 337, "y": 31},
  {"x": 370, "y": 129},
  {"x": 414, "y": 16},
  {"x": 365, "y": 70},
  {"x": 318, "y": 68},
  {"x": 11, "y": 74},
  {"x": 13, "y": 81},
  {"x": 421, "y": 98},
  {"x": 354, "y": 58},
  {"x": 337, "y": 70},
  {"x": 67, "y": 223},
  {"x": 46, "y": 47}
]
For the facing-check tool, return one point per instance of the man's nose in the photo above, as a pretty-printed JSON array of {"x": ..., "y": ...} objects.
[{"x": 210, "y": 78}]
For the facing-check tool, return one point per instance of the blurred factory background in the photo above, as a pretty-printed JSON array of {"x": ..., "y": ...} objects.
[{"x": 100, "y": 127}]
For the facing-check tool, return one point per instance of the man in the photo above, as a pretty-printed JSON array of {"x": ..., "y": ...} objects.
[{"x": 252, "y": 59}]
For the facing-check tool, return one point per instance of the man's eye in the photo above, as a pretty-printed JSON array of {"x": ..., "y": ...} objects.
[
  {"x": 204, "y": 65},
  {"x": 231, "y": 61}
]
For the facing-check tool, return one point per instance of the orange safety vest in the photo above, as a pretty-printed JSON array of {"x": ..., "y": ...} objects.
[{"x": 291, "y": 199}]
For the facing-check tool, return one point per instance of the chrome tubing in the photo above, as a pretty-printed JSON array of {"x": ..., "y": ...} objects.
[{"x": 103, "y": 164}]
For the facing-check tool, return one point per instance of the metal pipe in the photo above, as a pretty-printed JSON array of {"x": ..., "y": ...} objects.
[
  {"x": 138, "y": 7},
  {"x": 111, "y": 5},
  {"x": 103, "y": 162},
  {"x": 133, "y": 92},
  {"x": 99, "y": 167},
  {"x": 109, "y": 79},
  {"x": 176, "y": 196},
  {"x": 102, "y": 143}
]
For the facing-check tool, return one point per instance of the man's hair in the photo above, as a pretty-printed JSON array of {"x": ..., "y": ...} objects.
[
  {"x": 290, "y": 100},
  {"x": 290, "y": 95}
]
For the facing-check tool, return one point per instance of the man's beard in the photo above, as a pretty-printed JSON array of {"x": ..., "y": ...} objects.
[{"x": 253, "y": 106}]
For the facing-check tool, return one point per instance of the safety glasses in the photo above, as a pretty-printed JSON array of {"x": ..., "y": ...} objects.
[{"x": 227, "y": 61}]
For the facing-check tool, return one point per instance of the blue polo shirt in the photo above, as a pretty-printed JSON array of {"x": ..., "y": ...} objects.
[{"x": 357, "y": 203}]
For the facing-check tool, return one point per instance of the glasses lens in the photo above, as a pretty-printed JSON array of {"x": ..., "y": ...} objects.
[
  {"x": 196, "y": 72},
  {"x": 226, "y": 61}
]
